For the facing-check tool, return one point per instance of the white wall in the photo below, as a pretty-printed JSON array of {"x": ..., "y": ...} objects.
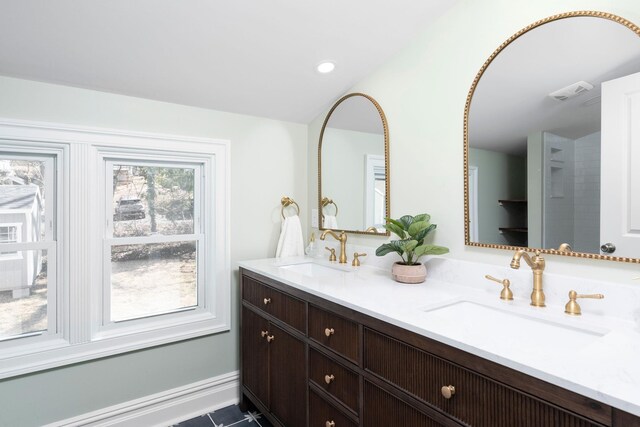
[
  {"x": 267, "y": 162},
  {"x": 423, "y": 90}
]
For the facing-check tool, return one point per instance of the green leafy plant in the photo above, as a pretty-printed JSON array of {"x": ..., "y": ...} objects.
[{"x": 412, "y": 231}]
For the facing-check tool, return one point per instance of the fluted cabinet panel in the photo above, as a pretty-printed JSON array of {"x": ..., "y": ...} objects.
[{"x": 478, "y": 401}]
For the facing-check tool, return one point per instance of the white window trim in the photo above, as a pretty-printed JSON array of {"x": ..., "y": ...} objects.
[{"x": 77, "y": 337}]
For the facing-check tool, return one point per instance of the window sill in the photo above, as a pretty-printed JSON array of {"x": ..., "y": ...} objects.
[{"x": 57, "y": 352}]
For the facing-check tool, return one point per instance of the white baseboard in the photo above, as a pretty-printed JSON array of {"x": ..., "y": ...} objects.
[{"x": 165, "y": 408}]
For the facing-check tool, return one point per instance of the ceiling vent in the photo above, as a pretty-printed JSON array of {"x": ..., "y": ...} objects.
[{"x": 571, "y": 91}]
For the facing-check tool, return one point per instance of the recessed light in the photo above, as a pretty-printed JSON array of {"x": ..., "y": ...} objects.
[{"x": 325, "y": 67}]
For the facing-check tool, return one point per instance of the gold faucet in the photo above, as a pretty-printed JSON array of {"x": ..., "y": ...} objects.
[
  {"x": 342, "y": 238},
  {"x": 537, "y": 266}
]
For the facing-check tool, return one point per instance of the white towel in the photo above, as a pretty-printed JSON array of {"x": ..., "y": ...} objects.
[
  {"x": 330, "y": 221},
  {"x": 290, "y": 242}
]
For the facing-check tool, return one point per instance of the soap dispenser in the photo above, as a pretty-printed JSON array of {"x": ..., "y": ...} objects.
[{"x": 311, "y": 249}]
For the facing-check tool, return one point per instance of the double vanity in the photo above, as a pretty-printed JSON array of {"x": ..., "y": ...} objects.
[
  {"x": 326, "y": 344},
  {"x": 333, "y": 344}
]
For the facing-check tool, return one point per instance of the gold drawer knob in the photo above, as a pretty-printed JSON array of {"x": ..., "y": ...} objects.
[
  {"x": 329, "y": 378},
  {"x": 329, "y": 331},
  {"x": 448, "y": 391},
  {"x": 264, "y": 333},
  {"x": 330, "y": 424},
  {"x": 270, "y": 338},
  {"x": 266, "y": 301}
]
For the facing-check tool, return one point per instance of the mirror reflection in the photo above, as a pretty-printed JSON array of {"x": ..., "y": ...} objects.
[
  {"x": 352, "y": 153},
  {"x": 552, "y": 138}
]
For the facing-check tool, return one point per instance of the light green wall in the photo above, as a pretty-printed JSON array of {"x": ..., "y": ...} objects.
[
  {"x": 500, "y": 176},
  {"x": 343, "y": 157},
  {"x": 423, "y": 90},
  {"x": 259, "y": 150}
]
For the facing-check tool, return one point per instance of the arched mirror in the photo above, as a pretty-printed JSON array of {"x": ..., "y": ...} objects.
[
  {"x": 353, "y": 167},
  {"x": 552, "y": 140}
]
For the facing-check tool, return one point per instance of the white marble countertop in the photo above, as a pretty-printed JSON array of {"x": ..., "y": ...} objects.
[{"x": 596, "y": 354}]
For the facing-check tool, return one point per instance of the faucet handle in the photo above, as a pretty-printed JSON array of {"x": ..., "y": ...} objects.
[
  {"x": 506, "y": 293},
  {"x": 332, "y": 257},
  {"x": 356, "y": 261},
  {"x": 572, "y": 306}
]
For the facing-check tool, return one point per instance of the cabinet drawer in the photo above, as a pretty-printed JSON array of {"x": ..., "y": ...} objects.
[
  {"x": 282, "y": 306},
  {"x": 383, "y": 409},
  {"x": 478, "y": 401},
  {"x": 335, "y": 332},
  {"x": 334, "y": 378},
  {"x": 322, "y": 413}
]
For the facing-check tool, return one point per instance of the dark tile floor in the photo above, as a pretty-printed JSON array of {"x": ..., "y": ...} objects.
[{"x": 226, "y": 417}]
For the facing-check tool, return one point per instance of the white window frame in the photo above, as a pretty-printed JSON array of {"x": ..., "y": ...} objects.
[{"x": 80, "y": 332}]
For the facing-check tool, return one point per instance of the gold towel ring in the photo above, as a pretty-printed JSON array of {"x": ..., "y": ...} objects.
[
  {"x": 288, "y": 201},
  {"x": 326, "y": 202}
]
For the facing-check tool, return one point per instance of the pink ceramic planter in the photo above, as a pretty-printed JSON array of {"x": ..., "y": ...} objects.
[{"x": 409, "y": 273}]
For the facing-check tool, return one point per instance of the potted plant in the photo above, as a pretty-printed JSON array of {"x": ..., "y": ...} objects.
[{"x": 412, "y": 231}]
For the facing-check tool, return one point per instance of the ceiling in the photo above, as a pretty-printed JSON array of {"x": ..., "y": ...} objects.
[
  {"x": 511, "y": 100},
  {"x": 252, "y": 57}
]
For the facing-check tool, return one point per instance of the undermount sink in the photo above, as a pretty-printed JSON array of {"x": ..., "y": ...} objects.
[
  {"x": 511, "y": 333},
  {"x": 311, "y": 269}
]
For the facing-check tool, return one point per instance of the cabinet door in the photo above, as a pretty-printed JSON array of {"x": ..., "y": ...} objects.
[
  {"x": 287, "y": 370},
  {"x": 255, "y": 355}
]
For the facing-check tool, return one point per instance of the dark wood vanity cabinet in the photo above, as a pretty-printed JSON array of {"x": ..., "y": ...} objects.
[{"x": 329, "y": 366}]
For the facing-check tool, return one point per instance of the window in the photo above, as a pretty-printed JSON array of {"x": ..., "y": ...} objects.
[
  {"x": 27, "y": 248},
  {"x": 10, "y": 233},
  {"x": 103, "y": 242},
  {"x": 154, "y": 240}
]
